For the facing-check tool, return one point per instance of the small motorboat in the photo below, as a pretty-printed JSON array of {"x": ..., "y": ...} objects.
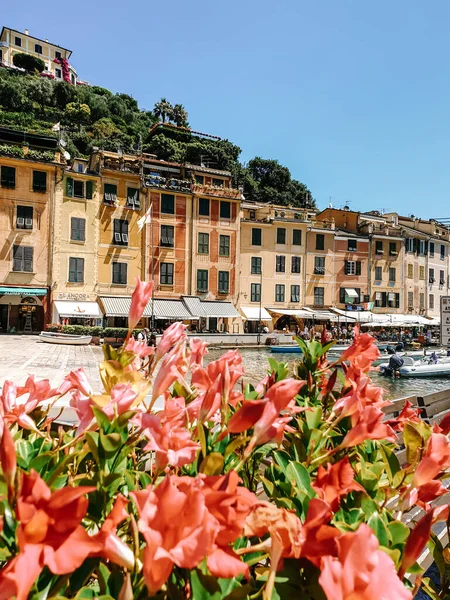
[
  {"x": 64, "y": 338},
  {"x": 427, "y": 367},
  {"x": 290, "y": 349}
]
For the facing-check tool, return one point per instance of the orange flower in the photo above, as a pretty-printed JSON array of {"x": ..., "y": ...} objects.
[
  {"x": 173, "y": 368},
  {"x": 320, "y": 538},
  {"x": 369, "y": 426},
  {"x": 362, "y": 352},
  {"x": 407, "y": 414},
  {"x": 436, "y": 458},
  {"x": 416, "y": 541},
  {"x": 174, "y": 334},
  {"x": 8, "y": 458},
  {"x": 361, "y": 570},
  {"x": 198, "y": 350},
  {"x": 360, "y": 395},
  {"x": 139, "y": 300},
  {"x": 17, "y": 402},
  {"x": 335, "y": 481}
]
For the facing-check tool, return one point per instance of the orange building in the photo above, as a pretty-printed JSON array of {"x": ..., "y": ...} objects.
[{"x": 351, "y": 266}]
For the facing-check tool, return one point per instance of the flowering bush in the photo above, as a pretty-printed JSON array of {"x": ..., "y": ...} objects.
[{"x": 288, "y": 489}]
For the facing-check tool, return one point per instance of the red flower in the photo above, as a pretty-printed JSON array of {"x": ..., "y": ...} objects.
[
  {"x": 335, "y": 481},
  {"x": 319, "y": 537},
  {"x": 17, "y": 402},
  {"x": 362, "y": 352},
  {"x": 139, "y": 300},
  {"x": 416, "y": 541},
  {"x": 174, "y": 334},
  {"x": 436, "y": 458},
  {"x": 407, "y": 414},
  {"x": 369, "y": 426},
  {"x": 8, "y": 458}
]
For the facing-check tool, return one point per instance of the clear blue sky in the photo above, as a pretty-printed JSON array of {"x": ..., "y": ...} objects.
[{"x": 352, "y": 95}]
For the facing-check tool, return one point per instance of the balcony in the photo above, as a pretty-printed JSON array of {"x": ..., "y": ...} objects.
[
  {"x": 217, "y": 191},
  {"x": 168, "y": 183},
  {"x": 25, "y": 152},
  {"x": 121, "y": 164}
]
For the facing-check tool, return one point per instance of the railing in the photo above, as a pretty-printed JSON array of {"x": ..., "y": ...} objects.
[
  {"x": 167, "y": 183},
  {"x": 219, "y": 191}
]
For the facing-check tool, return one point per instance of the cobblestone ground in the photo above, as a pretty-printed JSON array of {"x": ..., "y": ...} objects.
[{"x": 22, "y": 355}]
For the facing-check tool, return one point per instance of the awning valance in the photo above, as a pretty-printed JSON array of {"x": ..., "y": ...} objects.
[
  {"x": 323, "y": 315},
  {"x": 22, "y": 291},
  {"x": 219, "y": 309},
  {"x": 251, "y": 313},
  {"x": 351, "y": 293},
  {"x": 82, "y": 310}
]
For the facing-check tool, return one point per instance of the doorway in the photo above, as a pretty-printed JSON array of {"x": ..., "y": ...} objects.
[{"x": 4, "y": 309}]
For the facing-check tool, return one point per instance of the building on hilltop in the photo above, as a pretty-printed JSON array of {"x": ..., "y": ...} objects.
[{"x": 56, "y": 58}]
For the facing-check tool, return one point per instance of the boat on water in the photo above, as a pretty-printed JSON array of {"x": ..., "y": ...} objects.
[
  {"x": 290, "y": 349},
  {"x": 428, "y": 366},
  {"x": 64, "y": 338}
]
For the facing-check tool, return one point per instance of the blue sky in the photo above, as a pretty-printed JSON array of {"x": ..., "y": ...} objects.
[{"x": 353, "y": 96}]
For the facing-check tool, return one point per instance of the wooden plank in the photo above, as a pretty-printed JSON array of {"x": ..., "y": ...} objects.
[
  {"x": 432, "y": 398},
  {"x": 396, "y": 406},
  {"x": 437, "y": 407},
  {"x": 439, "y": 416}
]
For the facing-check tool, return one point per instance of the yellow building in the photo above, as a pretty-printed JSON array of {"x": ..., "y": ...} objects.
[
  {"x": 27, "y": 185},
  {"x": 16, "y": 42},
  {"x": 319, "y": 283},
  {"x": 272, "y": 263},
  {"x": 75, "y": 246}
]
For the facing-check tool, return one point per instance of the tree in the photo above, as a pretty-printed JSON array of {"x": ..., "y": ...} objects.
[
  {"x": 180, "y": 116},
  {"x": 41, "y": 92},
  {"x": 28, "y": 62},
  {"x": 78, "y": 113},
  {"x": 163, "y": 109}
]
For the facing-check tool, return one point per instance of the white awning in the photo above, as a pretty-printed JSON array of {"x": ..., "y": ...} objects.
[
  {"x": 194, "y": 305},
  {"x": 172, "y": 309},
  {"x": 299, "y": 313},
  {"x": 323, "y": 315},
  {"x": 351, "y": 293},
  {"x": 219, "y": 309},
  {"x": 251, "y": 313},
  {"x": 81, "y": 310},
  {"x": 119, "y": 306}
]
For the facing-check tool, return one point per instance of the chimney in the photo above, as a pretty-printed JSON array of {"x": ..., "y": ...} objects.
[{"x": 26, "y": 31}]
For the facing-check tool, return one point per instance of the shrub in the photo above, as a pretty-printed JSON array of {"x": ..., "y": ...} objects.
[
  {"x": 28, "y": 62},
  {"x": 14, "y": 151},
  {"x": 54, "y": 327},
  {"x": 115, "y": 332}
]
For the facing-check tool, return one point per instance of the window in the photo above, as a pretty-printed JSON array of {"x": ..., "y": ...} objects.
[
  {"x": 281, "y": 235},
  {"x": 224, "y": 245},
  {"x": 202, "y": 280},
  {"x": 422, "y": 247},
  {"x": 166, "y": 274},
  {"x": 225, "y": 209},
  {"x": 224, "y": 282},
  {"x": 256, "y": 264},
  {"x": 379, "y": 248},
  {"x": 8, "y": 177},
  {"x": 410, "y": 270},
  {"x": 319, "y": 296},
  {"x": 431, "y": 248},
  {"x": 295, "y": 293},
  {"x": 77, "y": 229},
  {"x": 203, "y": 207},
  {"x": 352, "y": 267},
  {"x": 76, "y": 270},
  {"x": 18, "y": 41},
  {"x": 58, "y": 54},
  {"x": 422, "y": 300},
  {"x": 119, "y": 273},
  {"x": 279, "y": 292},
  {"x": 320, "y": 241},
  {"x": 39, "y": 181},
  {"x": 58, "y": 73},
  {"x": 168, "y": 204},
  {"x": 296, "y": 264},
  {"x": 167, "y": 236},
  {"x": 23, "y": 258},
  {"x": 256, "y": 236},
  {"x": 203, "y": 243},
  {"x": 347, "y": 296},
  {"x": 218, "y": 182},
  {"x": 378, "y": 273},
  {"x": 255, "y": 292},
  {"x": 431, "y": 278},
  {"x": 410, "y": 300},
  {"x": 120, "y": 237},
  {"x": 319, "y": 265},
  {"x": 297, "y": 237},
  {"x": 352, "y": 245},
  {"x": 38, "y": 48},
  {"x": 280, "y": 264},
  {"x": 409, "y": 245},
  {"x": 393, "y": 300},
  {"x": 76, "y": 188},
  {"x": 431, "y": 301},
  {"x": 421, "y": 272},
  {"x": 24, "y": 219},
  {"x": 199, "y": 179},
  {"x": 133, "y": 200},
  {"x": 441, "y": 277},
  {"x": 110, "y": 194},
  {"x": 379, "y": 299},
  {"x": 442, "y": 252},
  {"x": 391, "y": 274},
  {"x": 392, "y": 248}
]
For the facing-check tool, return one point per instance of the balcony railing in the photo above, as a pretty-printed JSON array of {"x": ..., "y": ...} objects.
[
  {"x": 218, "y": 191},
  {"x": 168, "y": 183}
]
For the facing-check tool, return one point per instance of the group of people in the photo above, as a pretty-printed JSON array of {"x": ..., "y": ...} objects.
[{"x": 145, "y": 336}]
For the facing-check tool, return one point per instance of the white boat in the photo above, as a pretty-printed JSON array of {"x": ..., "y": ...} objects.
[
  {"x": 64, "y": 338},
  {"x": 425, "y": 368}
]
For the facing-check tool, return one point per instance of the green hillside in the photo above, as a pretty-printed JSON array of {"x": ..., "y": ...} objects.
[{"x": 94, "y": 116}]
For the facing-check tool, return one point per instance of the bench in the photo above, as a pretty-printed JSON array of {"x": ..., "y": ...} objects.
[{"x": 434, "y": 406}]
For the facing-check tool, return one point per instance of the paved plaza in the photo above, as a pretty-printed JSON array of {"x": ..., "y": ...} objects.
[{"x": 22, "y": 355}]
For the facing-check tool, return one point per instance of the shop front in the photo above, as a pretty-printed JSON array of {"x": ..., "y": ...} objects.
[
  {"x": 72, "y": 312},
  {"x": 22, "y": 309}
]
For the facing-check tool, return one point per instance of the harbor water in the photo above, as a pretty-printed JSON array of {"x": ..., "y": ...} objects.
[{"x": 256, "y": 365}]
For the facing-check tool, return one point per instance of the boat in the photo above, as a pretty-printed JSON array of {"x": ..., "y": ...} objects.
[
  {"x": 428, "y": 366},
  {"x": 64, "y": 338},
  {"x": 291, "y": 348}
]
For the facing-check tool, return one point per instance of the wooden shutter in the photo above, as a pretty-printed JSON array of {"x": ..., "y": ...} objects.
[
  {"x": 80, "y": 270},
  {"x": 82, "y": 229},
  {"x": 73, "y": 229},
  {"x": 397, "y": 300},
  {"x": 116, "y": 272},
  {"x": 358, "y": 291},
  {"x": 89, "y": 189},
  {"x": 18, "y": 258},
  {"x": 28, "y": 259},
  {"x": 342, "y": 295},
  {"x": 358, "y": 267},
  {"x": 123, "y": 273},
  {"x": 383, "y": 299},
  {"x": 69, "y": 187},
  {"x": 346, "y": 267}
]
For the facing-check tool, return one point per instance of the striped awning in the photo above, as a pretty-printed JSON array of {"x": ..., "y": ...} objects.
[
  {"x": 173, "y": 309},
  {"x": 219, "y": 309},
  {"x": 194, "y": 305},
  {"x": 119, "y": 306}
]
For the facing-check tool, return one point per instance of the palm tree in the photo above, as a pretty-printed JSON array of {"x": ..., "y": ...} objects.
[
  {"x": 180, "y": 116},
  {"x": 163, "y": 109}
]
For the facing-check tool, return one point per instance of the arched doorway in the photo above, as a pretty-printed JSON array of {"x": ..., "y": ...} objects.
[
  {"x": 30, "y": 315},
  {"x": 287, "y": 321}
]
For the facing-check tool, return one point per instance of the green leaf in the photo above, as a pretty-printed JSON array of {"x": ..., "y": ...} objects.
[
  {"x": 204, "y": 587},
  {"x": 102, "y": 419},
  {"x": 234, "y": 444},
  {"x": 399, "y": 532},
  {"x": 212, "y": 464},
  {"x": 390, "y": 461},
  {"x": 379, "y": 529},
  {"x": 92, "y": 441},
  {"x": 110, "y": 442},
  {"x": 202, "y": 439},
  {"x": 413, "y": 442},
  {"x": 282, "y": 459},
  {"x": 313, "y": 417},
  {"x": 299, "y": 478}
]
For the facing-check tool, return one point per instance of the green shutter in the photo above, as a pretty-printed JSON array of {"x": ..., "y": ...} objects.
[
  {"x": 69, "y": 187},
  {"x": 80, "y": 270},
  {"x": 89, "y": 189},
  {"x": 358, "y": 267}
]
